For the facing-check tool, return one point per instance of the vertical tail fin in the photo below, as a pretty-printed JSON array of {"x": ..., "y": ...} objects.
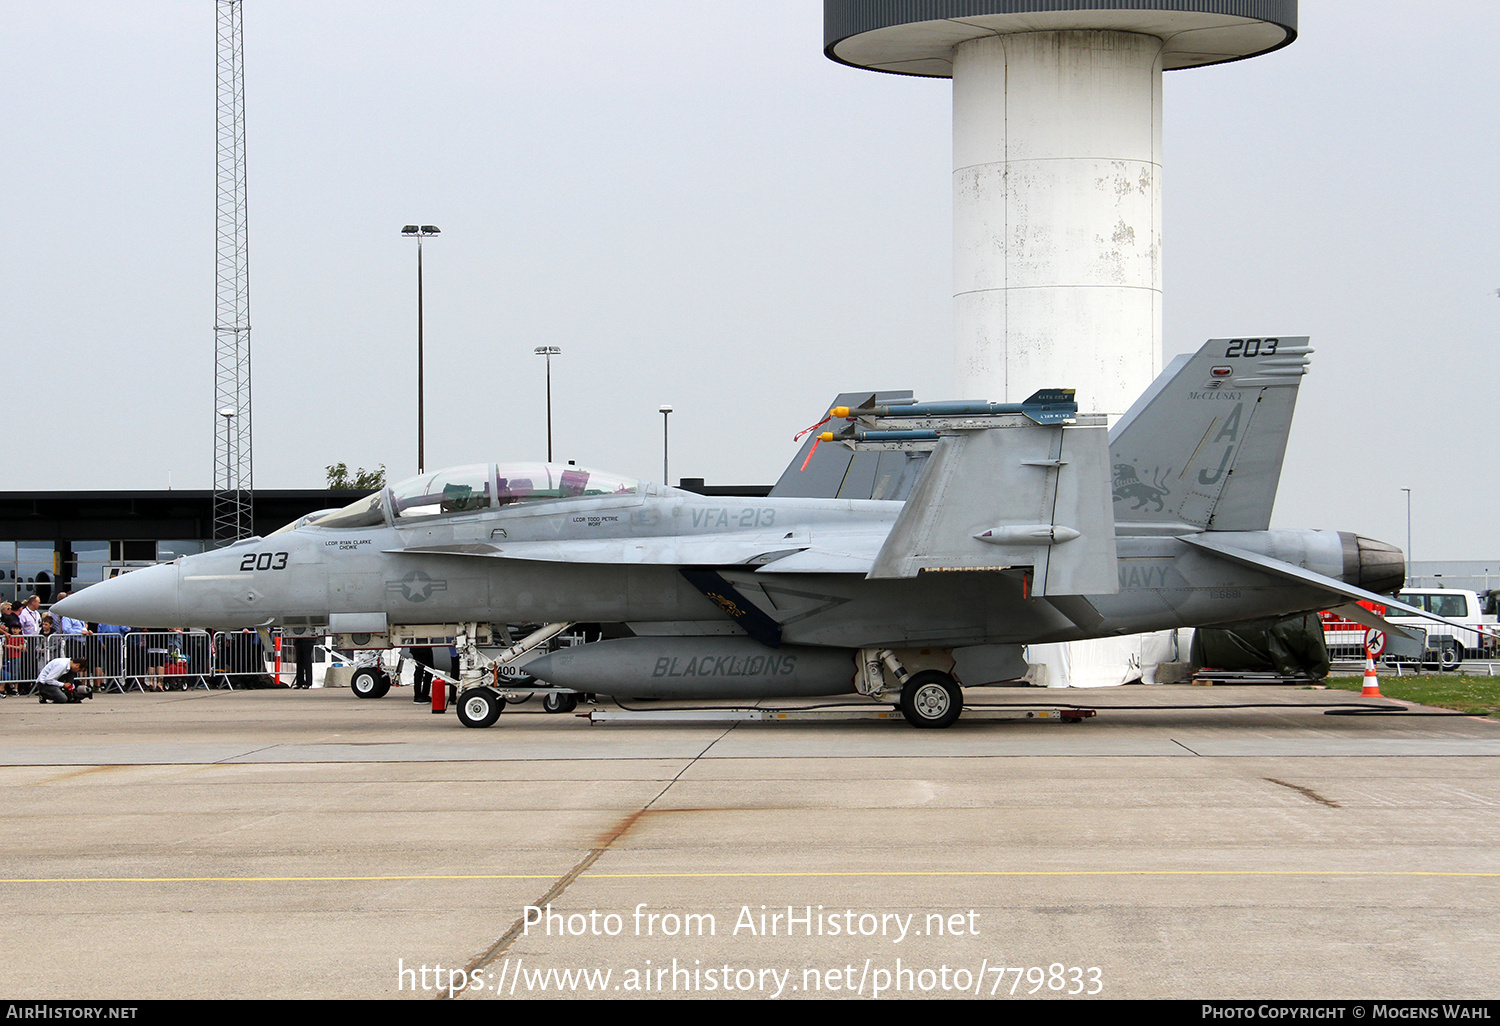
[
  {"x": 835, "y": 472},
  {"x": 1203, "y": 445}
]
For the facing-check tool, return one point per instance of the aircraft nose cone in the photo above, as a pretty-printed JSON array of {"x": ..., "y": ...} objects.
[{"x": 142, "y": 598}]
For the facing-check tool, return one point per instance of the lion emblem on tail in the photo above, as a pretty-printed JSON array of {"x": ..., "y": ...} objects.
[{"x": 1128, "y": 485}]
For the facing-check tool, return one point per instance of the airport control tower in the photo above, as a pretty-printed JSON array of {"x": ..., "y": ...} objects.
[{"x": 1056, "y": 169}]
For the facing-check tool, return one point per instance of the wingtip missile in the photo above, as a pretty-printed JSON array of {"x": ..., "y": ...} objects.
[{"x": 1046, "y": 406}]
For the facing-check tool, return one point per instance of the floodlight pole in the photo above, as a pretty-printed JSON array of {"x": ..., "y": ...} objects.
[
  {"x": 1408, "y": 527},
  {"x": 549, "y": 352},
  {"x": 666, "y": 411},
  {"x": 420, "y": 232},
  {"x": 421, "y": 382}
]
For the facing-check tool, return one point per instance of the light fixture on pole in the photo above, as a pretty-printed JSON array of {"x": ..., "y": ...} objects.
[
  {"x": 665, "y": 412},
  {"x": 420, "y": 232},
  {"x": 549, "y": 352}
]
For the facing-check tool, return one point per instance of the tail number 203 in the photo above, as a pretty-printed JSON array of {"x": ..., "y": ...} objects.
[{"x": 1252, "y": 347}]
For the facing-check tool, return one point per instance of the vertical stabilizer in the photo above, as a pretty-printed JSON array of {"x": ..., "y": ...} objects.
[
  {"x": 836, "y": 472},
  {"x": 1204, "y": 445}
]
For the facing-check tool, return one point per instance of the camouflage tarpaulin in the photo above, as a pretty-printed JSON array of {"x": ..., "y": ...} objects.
[{"x": 1293, "y": 647}]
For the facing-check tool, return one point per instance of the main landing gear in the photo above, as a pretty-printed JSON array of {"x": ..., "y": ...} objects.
[
  {"x": 931, "y": 699},
  {"x": 479, "y": 707}
]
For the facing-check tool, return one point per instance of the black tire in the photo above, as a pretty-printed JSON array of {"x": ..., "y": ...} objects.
[
  {"x": 1449, "y": 656},
  {"x": 555, "y": 703},
  {"x": 369, "y": 682},
  {"x": 479, "y": 707},
  {"x": 931, "y": 699}
]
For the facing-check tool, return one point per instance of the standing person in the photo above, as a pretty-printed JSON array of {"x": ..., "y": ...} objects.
[
  {"x": 111, "y": 651},
  {"x": 15, "y": 649},
  {"x": 68, "y": 625},
  {"x": 8, "y": 690},
  {"x": 31, "y": 616},
  {"x": 302, "y": 649}
]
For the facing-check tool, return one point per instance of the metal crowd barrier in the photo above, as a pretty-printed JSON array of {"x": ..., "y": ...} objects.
[
  {"x": 1345, "y": 638},
  {"x": 168, "y": 660},
  {"x": 25, "y": 656},
  {"x": 239, "y": 655},
  {"x": 143, "y": 660}
]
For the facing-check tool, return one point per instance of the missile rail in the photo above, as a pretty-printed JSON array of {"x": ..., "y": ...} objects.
[{"x": 917, "y": 427}]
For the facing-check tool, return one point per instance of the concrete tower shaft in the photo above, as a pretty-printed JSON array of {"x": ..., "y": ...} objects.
[
  {"x": 1057, "y": 214},
  {"x": 1057, "y": 169}
]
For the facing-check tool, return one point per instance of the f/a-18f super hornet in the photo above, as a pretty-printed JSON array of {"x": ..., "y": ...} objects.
[{"x": 910, "y": 549}]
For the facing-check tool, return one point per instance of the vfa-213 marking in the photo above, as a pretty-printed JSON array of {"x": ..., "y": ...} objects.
[{"x": 713, "y": 519}]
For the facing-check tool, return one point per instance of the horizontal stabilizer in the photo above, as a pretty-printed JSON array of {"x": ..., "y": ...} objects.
[
  {"x": 1018, "y": 495},
  {"x": 1368, "y": 618},
  {"x": 1288, "y": 571}
]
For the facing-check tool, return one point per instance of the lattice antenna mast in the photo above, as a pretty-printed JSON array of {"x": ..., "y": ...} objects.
[{"x": 233, "y": 480}]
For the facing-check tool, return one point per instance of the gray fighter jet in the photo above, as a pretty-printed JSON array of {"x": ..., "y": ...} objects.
[{"x": 927, "y": 544}]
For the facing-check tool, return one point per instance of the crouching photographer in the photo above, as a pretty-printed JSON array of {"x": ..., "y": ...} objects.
[{"x": 58, "y": 682}]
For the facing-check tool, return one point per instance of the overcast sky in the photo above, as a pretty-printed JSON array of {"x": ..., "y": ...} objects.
[{"x": 701, "y": 210}]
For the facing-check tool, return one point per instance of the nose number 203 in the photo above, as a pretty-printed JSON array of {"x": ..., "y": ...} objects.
[{"x": 263, "y": 561}]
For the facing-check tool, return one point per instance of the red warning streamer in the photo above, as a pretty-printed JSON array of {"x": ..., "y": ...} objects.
[
  {"x": 809, "y": 453},
  {"x": 800, "y": 434}
]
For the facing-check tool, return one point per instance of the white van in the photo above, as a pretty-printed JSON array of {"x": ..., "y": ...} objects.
[{"x": 1448, "y": 646}]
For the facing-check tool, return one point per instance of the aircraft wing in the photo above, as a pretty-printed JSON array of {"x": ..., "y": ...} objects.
[
  {"x": 1354, "y": 594},
  {"x": 850, "y": 551}
]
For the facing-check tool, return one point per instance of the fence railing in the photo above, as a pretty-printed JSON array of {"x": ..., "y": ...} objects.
[{"x": 144, "y": 660}]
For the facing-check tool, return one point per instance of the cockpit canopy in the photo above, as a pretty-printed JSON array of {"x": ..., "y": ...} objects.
[{"x": 474, "y": 488}]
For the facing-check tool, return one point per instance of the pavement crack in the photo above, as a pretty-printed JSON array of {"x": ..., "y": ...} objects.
[
  {"x": 1305, "y": 791},
  {"x": 501, "y": 946},
  {"x": 230, "y": 760},
  {"x": 693, "y": 762}
]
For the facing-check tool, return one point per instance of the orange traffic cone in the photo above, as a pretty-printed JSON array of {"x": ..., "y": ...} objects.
[{"x": 1372, "y": 682}]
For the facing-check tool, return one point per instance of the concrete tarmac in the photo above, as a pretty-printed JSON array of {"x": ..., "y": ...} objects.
[{"x": 311, "y": 845}]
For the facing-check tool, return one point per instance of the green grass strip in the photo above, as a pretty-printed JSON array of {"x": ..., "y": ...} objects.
[{"x": 1477, "y": 695}]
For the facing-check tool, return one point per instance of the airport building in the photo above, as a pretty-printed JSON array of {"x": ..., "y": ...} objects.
[{"x": 63, "y": 541}]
